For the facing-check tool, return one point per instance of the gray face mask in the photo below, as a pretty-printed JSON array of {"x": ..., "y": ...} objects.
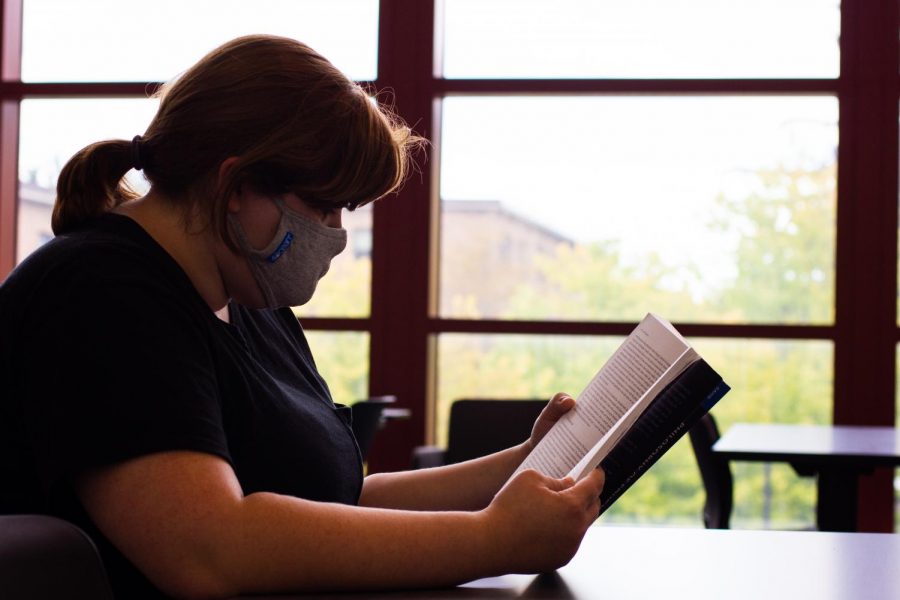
[{"x": 289, "y": 267}]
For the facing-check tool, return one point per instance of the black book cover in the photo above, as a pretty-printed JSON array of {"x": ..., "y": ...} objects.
[{"x": 670, "y": 415}]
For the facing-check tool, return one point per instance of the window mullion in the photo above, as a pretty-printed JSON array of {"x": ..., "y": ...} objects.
[
  {"x": 10, "y": 69},
  {"x": 400, "y": 257},
  {"x": 866, "y": 277}
]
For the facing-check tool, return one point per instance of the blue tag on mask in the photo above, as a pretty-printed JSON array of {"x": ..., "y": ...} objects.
[{"x": 282, "y": 247}]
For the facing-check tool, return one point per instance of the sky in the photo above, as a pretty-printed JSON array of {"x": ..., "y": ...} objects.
[
  {"x": 632, "y": 169},
  {"x": 640, "y": 38}
]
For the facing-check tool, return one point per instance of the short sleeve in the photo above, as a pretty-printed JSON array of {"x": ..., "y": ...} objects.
[{"x": 115, "y": 369}]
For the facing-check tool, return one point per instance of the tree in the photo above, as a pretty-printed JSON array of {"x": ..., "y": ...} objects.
[
  {"x": 592, "y": 282},
  {"x": 785, "y": 257}
]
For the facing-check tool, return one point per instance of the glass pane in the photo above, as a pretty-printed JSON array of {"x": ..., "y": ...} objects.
[
  {"x": 51, "y": 131},
  {"x": 641, "y": 38},
  {"x": 345, "y": 291},
  {"x": 771, "y": 380},
  {"x": 605, "y": 208},
  {"x": 77, "y": 41},
  {"x": 343, "y": 361}
]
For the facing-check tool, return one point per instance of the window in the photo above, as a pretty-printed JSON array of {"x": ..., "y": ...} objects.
[
  {"x": 700, "y": 208},
  {"x": 584, "y": 181},
  {"x": 731, "y": 164}
]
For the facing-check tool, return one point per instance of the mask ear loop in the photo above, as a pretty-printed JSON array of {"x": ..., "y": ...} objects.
[
  {"x": 279, "y": 202},
  {"x": 246, "y": 250}
]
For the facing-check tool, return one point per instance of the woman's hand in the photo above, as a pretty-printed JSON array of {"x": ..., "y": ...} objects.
[
  {"x": 559, "y": 405},
  {"x": 538, "y": 522}
]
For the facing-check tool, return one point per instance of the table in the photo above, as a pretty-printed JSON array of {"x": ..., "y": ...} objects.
[
  {"x": 837, "y": 455},
  {"x": 618, "y": 563}
]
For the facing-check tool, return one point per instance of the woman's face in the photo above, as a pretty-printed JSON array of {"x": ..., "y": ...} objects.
[{"x": 259, "y": 217}]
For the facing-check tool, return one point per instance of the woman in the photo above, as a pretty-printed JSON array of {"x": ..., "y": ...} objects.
[{"x": 162, "y": 396}]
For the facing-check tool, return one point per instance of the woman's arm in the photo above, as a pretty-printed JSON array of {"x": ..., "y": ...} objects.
[
  {"x": 464, "y": 486},
  {"x": 468, "y": 485},
  {"x": 182, "y": 519}
]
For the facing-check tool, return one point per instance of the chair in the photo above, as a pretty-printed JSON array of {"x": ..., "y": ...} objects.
[
  {"x": 44, "y": 558},
  {"x": 715, "y": 472},
  {"x": 367, "y": 419},
  {"x": 479, "y": 427}
]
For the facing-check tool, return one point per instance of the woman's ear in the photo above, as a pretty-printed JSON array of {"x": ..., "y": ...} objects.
[{"x": 234, "y": 201}]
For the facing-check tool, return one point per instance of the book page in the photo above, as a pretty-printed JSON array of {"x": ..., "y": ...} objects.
[
  {"x": 606, "y": 443},
  {"x": 636, "y": 367}
]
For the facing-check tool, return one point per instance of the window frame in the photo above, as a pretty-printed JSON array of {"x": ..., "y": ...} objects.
[{"x": 403, "y": 327}]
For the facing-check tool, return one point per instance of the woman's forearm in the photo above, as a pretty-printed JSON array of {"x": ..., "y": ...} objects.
[
  {"x": 464, "y": 486},
  {"x": 183, "y": 520},
  {"x": 535, "y": 524},
  {"x": 280, "y": 543}
]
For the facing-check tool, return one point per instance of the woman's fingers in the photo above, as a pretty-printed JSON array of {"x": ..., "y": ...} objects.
[
  {"x": 558, "y": 485},
  {"x": 559, "y": 404},
  {"x": 590, "y": 486}
]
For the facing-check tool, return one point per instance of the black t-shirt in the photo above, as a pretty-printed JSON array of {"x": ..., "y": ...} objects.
[{"x": 107, "y": 352}]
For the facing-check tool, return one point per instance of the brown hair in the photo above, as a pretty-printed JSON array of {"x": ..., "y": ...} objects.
[{"x": 294, "y": 121}]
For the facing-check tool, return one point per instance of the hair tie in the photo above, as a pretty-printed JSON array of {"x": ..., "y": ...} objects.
[{"x": 136, "y": 161}]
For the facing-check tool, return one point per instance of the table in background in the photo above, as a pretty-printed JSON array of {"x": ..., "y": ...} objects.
[
  {"x": 617, "y": 563},
  {"x": 837, "y": 455}
]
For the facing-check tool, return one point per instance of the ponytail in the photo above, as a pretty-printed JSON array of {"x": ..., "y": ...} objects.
[{"x": 92, "y": 184}]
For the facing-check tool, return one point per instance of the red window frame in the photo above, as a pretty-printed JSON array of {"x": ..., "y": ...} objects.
[{"x": 403, "y": 325}]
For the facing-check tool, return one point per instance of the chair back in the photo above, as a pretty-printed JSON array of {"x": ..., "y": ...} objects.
[
  {"x": 367, "y": 419},
  {"x": 479, "y": 427},
  {"x": 715, "y": 472},
  {"x": 44, "y": 558}
]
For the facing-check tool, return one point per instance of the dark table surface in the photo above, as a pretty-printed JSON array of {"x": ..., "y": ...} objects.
[{"x": 617, "y": 563}]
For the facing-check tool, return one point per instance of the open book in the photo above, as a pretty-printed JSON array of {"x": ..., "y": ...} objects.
[{"x": 648, "y": 394}]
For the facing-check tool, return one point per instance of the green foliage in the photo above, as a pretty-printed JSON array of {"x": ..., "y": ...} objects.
[
  {"x": 513, "y": 366},
  {"x": 343, "y": 360},
  {"x": 785, "y": 257},
  {"x": 772, "y": 381},
  {"x": 344, "y": 291},
  {"x": 590, "y": 282}
]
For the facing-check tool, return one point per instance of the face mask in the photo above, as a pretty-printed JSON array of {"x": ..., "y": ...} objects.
[{"x": 289, "y": 267}]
